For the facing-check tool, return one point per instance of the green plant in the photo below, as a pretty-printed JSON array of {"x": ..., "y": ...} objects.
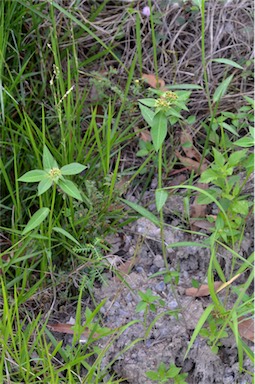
[
  {"x": 148, "y": 302},
  {"x": 227, "y": 188},
  {"x": 211, "y": 333},
  {"x": 50, "y": 176},
  {"x": 166, "y": 374}
]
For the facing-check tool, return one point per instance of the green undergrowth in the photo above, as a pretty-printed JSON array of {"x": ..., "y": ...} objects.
[{"x": 62, "y": 170}]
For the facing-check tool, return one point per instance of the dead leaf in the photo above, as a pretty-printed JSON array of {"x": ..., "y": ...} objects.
[
  {"x": 192, "y": 165},
  {"x": 246, "y": 328},
  {"x": 203, "y": 290},
  {"x": 188, "y": 147},
  {"x": 177, "y": 180},
  {"x": 67, "y": 329},
  {"x": 143, "y": 134},
  {"x": 154, "y": 82},
  {"x": 201, "y": 224}
]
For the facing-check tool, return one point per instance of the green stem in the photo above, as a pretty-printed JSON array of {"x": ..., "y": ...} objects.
[{"x": 51, "y": 213}]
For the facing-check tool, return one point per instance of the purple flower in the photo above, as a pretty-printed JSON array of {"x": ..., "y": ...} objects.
[{"x": 146, "y": 11}]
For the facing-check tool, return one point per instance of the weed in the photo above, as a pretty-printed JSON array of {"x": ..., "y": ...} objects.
[{"x": 166, "y": 374}]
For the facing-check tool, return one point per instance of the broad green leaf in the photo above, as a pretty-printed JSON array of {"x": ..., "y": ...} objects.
[
  {"x": 148, "y": 102},
  {"x": 218, "y": 158},
  {"x": 173, "y": 371},
  {"x": 245, "y": 142},
  {"x": 143, "y": 212},
  {"x": 48, "y": 160},
  {"x": 228, "y": 62},
  {"x": 44, "y": 185},
  {"x": 37, "y": 218},
  {"x": 66, "y": 234},
  {"x": 208, "y": 176},
  {"x": 172, "y": 112},
  {"x": 159, "y": 130},
  {"x": 236, "y": 157},
  {"x": 72, "y": 169},
  {"x": 70, "y": 189},
  {"x": 147, "y": 114},
  {"x": 230, "y": 128},
  {"x": 221, "y": 89},
  {"x": 33, "y": 176},
  {"x": 241, "y": 207},
  {"x": 204, "y": 199},
  {"x": 161, "y": 197}
]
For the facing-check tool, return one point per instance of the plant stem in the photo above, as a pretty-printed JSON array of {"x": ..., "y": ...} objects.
[{"x": 51, "y": 213}]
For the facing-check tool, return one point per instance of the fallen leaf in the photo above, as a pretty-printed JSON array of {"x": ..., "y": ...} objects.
[
  {"x": 201, "y": 224},
  {"x": 188, "y": 147},
  {"x": 203, "y": 290},
  {"x": 191, "y": 164},
  {"x": 177, "y": 180},
  {"x": 246, "y": 329},
  {"x": 154, "y": 82},
  {"x": 67, "y": 329},
  {"x": 143, "y": 134},
  {"x": 198, "y": 210}
]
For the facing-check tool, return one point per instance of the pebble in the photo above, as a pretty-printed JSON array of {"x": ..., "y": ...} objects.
[
  {"x": 173, "y": 304},
  {"x": 159, "y": 261},
  {"x": 160, "y": 287}
]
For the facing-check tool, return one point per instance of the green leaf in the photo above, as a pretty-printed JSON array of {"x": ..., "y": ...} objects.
[
  {"x": 48, "y": 160},
  {"x": 161, "y": 197},
  {"x": 208, "y": 176},
  {"x": 173, "y": 371},
  {"x": 241, "y": 207},
  {"x": 159, "y": 130},
  {"x": 172, "y": 112},
  {"x": 143, "y": 212},
  {"x": 70, "y": 189},
  {"x": 183, "y": 86},
  {"x": 147, "y": 114},
  {"x": 204, "y": 199},
  {"x": 228, "y": 62},
  {"x": 72, "y": 169},
  {"x": 37, "y": 218},
  {"x": 66, "y": 234},
  {"x": 141, "y": 306},
  {"x": 33, "y": 176},
  {"x": 230, "y": 128},
  {"x": 218, "y": 158},
  {"x": 148, "y": 102},
  {"x": 221, "y": 89},
  {"x": 236, "y": 157},
  {"x": 245, "y": 142},
  {"x": 152, "y": 375},
  {"x": 199, "y": 326},
  {"x": 44, "y": 185}
]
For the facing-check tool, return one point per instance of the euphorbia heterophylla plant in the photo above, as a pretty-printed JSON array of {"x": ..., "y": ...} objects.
[{"x": 51, "y": 176}]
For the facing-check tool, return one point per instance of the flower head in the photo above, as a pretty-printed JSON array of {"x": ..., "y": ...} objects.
[{"x": 146, "y": 11}]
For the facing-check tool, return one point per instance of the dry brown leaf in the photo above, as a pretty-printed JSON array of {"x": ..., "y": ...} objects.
[
  {"x": 201, "y": 224},
  {"x": 143, "y": 134},
  {"x": 152, "y": 81},
  {"x": 246, "y": 329},
  {"x": 67, "y": 329},
  {"x": 203, "y": 290},
  {"x": 190, "y": 151},
  {"x": 192, "y": 165}
]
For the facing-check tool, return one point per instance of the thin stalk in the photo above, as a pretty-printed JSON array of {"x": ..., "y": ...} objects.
[{"x": 51, "y": 213}]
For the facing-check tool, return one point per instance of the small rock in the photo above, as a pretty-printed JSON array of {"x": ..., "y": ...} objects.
[
  {"x": 159, "y": 261},
  {"x": 160, "y": 286}
]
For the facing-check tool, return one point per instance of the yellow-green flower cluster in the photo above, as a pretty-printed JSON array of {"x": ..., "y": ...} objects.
[
  {"x": 55, "y": 174},
  {"x": 166, "y": 100}
]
